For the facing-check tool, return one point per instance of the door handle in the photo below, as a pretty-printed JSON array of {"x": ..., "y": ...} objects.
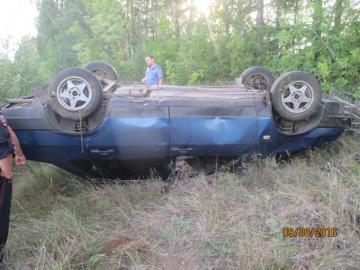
[{"x": 102, "y": 152}]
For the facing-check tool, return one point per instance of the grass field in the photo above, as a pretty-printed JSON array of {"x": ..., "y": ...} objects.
[{"x": 221, "y": 221}]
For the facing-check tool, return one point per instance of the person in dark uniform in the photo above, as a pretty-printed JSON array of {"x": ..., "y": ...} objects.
[{"x": 9, "y": 146}]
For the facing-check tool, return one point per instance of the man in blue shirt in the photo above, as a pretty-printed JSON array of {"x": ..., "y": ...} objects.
[{"x": 154, "y": 75}]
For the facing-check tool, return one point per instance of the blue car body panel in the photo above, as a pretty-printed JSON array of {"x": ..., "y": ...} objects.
[
  {"x": 48, "y": 146},
  {"x": 158, "y": 131}
]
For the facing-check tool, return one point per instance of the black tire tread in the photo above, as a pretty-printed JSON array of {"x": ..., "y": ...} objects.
[
  {"x": 269, "y": 77},
  {"x": 108, "y": 69}
]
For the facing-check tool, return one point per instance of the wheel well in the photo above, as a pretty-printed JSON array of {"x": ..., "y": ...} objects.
[
  {"x": 288, "y": 127},
  {"x": 81, "y": 125}
]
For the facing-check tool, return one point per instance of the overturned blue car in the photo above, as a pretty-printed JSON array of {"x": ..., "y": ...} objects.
[{"x": 88, "y": 123}]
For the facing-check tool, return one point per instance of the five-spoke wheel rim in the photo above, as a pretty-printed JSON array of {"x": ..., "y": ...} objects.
[
  {"x": 297, "y": 97},
  {"x": 257, "y": 81},
  {"x": 74, "y": 93}
]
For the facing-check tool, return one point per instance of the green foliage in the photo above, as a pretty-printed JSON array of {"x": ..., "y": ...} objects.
[
  {"x": 21, "y": 74},
  {"x": 321, "y": 37},
  {"x": 27, "y": 63},
  {"x": 7, "y": 76}
]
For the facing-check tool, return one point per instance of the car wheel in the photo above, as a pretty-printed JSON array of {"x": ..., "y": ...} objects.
[
  {"x": 258, "y": 78},
  {"x": 296, "y": 95},
  {"x": 74, "y": 93},
  {"x": 103, "y": 70}
]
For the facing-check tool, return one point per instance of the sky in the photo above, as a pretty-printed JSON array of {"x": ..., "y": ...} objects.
[
  {"x": 17, "y": 19},
  {"x": 202, "y": 6}
]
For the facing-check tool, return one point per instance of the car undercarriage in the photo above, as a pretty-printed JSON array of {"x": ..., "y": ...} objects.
[{"x": 91, "y": 124}]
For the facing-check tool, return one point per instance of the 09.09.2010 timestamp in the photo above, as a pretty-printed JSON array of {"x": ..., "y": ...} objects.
[{"x": 319, "y": 232}]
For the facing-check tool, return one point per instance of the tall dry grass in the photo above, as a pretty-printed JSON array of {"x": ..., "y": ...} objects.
[{"x": 221, "y": 221}]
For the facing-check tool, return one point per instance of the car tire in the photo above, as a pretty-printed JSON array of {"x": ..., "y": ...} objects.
[
  {"x": 74, "y": 93},
  {"x": 258, "y": 78},
  {"x": 103, "y": 70},
  {"x": 296, "y": 96}
]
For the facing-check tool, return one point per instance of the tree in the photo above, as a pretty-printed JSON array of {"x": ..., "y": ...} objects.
[
  {"x": 317, "y": 26},
  {"x": 338, "y": 12},
  {"x": 318, "y": 36},
  {"x": 259, "y": 20}
]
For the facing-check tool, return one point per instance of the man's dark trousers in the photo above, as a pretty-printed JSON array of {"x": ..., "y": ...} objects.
[{"x": 5, "y": 203}]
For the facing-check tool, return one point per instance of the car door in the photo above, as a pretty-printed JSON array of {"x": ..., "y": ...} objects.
[
  {"x": 132, "y": 131},
  {"x": 213, "y": 129}
]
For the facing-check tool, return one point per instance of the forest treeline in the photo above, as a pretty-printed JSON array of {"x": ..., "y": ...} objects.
[{"x": 319, "y": 36}]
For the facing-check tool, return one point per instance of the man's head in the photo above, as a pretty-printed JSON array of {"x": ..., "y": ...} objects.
[{"x": 150, "y": 60}]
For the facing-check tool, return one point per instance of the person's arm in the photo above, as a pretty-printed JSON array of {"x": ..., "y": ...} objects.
[
  {"x": 144, "y": 79},
  {"x": 6, "y": 167},
  {"x": 160, "y": 75},
  {"x": 19, "y": 155}
]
